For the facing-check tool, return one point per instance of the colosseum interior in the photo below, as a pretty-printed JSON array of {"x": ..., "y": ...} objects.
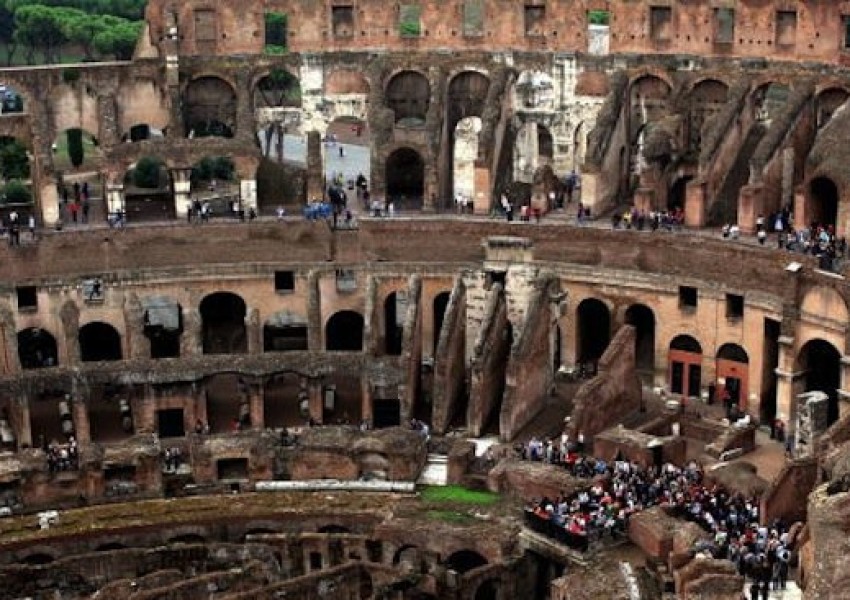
[{"x": 275, "y": 406}]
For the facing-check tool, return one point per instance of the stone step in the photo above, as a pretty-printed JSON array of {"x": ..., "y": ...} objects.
[{"x": 436, "y": 471}]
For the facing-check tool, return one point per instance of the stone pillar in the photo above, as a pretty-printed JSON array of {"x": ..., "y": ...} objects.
[
  {"x": 107, "y": 134},
  {"x": 801, "y": 213},
  {"x": 257, "y": 402},
  {"x": 137, "y": 345},
  {"x": 82, "y": 426},
  {"x": 371, "y": 319},
  {"x": 144, "y": 411},
  {"x": 315, "y": 170},
  {"x": 24, "y": 431},
  {"x": 644, "y": 199},
  {"x": 12, "y": 361},
  {"x": 750, "y": 203},
  {"x": 314, "y": 313},
  {"x": 316, "y": 390},
  {"x": 182, "y": 192},
  {"x": 482, "y": 200},
  {"x": 115, "y": 198},
  {"x": 254, "y": 331},
  {"x": 844, "y": 392},
  {"x": 248, "y": 194},
  {"x": 695, "y": 204},
  {"x": 191, "y": 342},
  {"x": 786, "y": 383},
  {"x": 70, "y": 317},
  {"x": 48, "y": 199},
  {"x": 172, "y": 79},
  {"x": 366, "y": 401}
]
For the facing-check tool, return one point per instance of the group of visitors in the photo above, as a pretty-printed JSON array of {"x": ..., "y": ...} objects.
[
  {"x": 621, "y": 489},
  {"x": 640, "y": 220},
  {"x": 12, "y": 226},
  {"x": 79, "y": 206},
  {"x": 172, "y": 459},
  {"x": 62, "y": 457}
]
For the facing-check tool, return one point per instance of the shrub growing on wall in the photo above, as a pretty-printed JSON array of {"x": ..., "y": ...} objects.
[
  {"x": 146, "y": 173},
  {"x": 15, "y": 192}
]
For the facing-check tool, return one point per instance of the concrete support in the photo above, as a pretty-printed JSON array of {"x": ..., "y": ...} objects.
[
  {"x": 786, "y": 382},
  {"x": 9, "y": 339},
  {"x": 750, "y": 203},
  {"x": 316, "y": 391},
  {"x": 695, "y": 208},
  {"x": 182, "y": 187},
  {"x": 191, "y": 342},
  {"x": 136, "y": 344},
  {"x": 114, "y": 198},
  {"x": 314, "y": 313},
  {"x": 248, "y": 194},
  {"x": 366, "y": 413}
]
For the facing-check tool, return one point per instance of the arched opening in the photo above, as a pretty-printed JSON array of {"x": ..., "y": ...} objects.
[
  {"x": 214, "y": 183},
  {"x": 209, "y": 108},
  {"x": 594, "y": 330},
  {"x": 821, "y": 363},
  {"x": 678, "y": 193},
  {"x": 348, "y": 160},
  {"x": 223, "y": 324},
  {"x": 823, "y": 202},
  {"x": 99, "y": 341},
  {"x": 148, "y": 192},
  {"x": 405, "y": 177},
  {"x": 51, "y": 420},
  {"x": 277, "y": 103},
  {"x": 685, "y": 361},
  {"x": 228, "y": 408},
  {"x": 285, "y": 332},
  {"x": 441, "y": 303},
  {"x": 15, "y": 172},
  {"x": 141, "y": 132},
  {"x": 286, "y": 401},
  {"x": 463, "y": 561},
  {"x": 395, "y": 307},
  {"x": 79, "y": 159},
  {"x": 732, "y": 372},
  {"x": 37, "y": 348},
  {"x": 465, "y": 153},
  {"x": 110, "y": 412},
  {"x": 406, "y": 553},
  {"x": 642, "y": 319},
  {"x": 344, "y": 332},
  {"x": 11, "y": 101},
  {"x": 342, "y": 400},
  {"x": 827, "y": 102},
  {"x": 163, "y": 326},
  {"x": 488, "y": 590},
  {"x": 707, "y": 98},
  {"x": 489, "y": 423},
  {"x": 409, "y": 95},
  {"x": 278, "y": 89}
]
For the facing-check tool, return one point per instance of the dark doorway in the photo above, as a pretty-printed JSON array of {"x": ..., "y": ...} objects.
[
  {"x": 489, "y": 590},
  {"x": 232, "y": 469},
  {"x": 770, "y": 362},
  {"x": 441, "y": 303},
  {"x": 405, "y": 177},
  {"x": 594, "y": 330},
  {"x": 284, "y": 396},
  {"x": 408, "y": 95},
  {"x": 463, "y": 561},
  {"x": 642, "y": 319},
  {"x": 223, "y": 324},
  {"x": 344, "y": 332},
  {"x": 99, "y": 341},
  {"x": 556, "y": 354},
  {"x": 824, "y": 202},
  {"x": 386, "y": 413},
  {"x": 678, "y": 193},
  {"x": 393, "y": 324},
  {"x": 37, "y": 349},
  {"x": 170, "y": 423},
  {"x": 685, "y": 358},
  {"x": 284, "y": 332},
  {"x": 822, "y": 365},
  {"x": 163, "y": 319}
]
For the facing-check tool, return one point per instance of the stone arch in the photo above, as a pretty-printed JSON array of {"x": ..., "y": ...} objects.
[
  {"x": 823, "y": 198},
  {"x": 223, "y": 329},
  {"x": 685, "y": 366},
  {"x": 148, "y": 191},
  {"x": 820, "y": 363},
  {"x": 12, "y": 100},
  {"x": 346, "y": 82},
  {"x": 393, "y": 324},
  {"x": 466, "y": 96},
  {"x": 143, "y": 101},
  {"x": 344, "y": 332},
  {"x": 74, "y": 106},
  {"x": 399, "y": 554},
  {"x": 285, "y": 331},
  {"x": 286, "y": 400},
  {"x": 593, "y": 330},
  {"x": 463, "y": 561},
  {"x": 163, "y": 325},
  {"x": 732, "y": 372},
  {"x": 827, "y": 101},
  {"x": 209, "y": 107},
  {"x": 440, "y": 305},
  {"x": 277, "y": 89},
  {"x": 227, "y": 402},
  {"x": 408, "y": 94},
  {"x": 642, "y": 318},
  {"x": 99, "y": 341},
  {"x": 822, "y": 301},
  {"x": 405, "y": 178},
  {"x": 707, "y": 98},
  {"x": 37, "y": 348}
]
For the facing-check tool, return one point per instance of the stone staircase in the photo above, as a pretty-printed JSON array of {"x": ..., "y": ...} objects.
[{"x": 436, "y": 471}]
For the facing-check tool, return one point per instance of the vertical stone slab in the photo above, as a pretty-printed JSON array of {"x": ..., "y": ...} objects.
[
  {"x": 11, "y": 362},
  {"x": 314, "y": 313},
  {"x": 182, "y": 192},
  {"x": 315, "y": 171},
  {"x": 24, "y": 424},
  {"x": 371, "y": 319},
  {"x": 70, "y": 317},
  {"x": 136, "y": 343},
  {"x": 191, "y": 342},
  {"x": 255, "y": 331},
  {"x": 257, "y": 402}
]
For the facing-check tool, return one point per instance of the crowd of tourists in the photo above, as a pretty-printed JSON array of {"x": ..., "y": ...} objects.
[
  {"x": 620, "y": 489},
  {"x": 62, "y": 457},
  {"x": 668, "y": 220}
]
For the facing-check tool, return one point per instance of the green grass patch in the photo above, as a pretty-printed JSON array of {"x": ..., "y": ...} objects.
[{"x": 458, "y": 494}]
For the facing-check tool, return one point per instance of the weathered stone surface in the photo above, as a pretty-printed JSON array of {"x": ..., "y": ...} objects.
[{"x": 529, "y": 480}]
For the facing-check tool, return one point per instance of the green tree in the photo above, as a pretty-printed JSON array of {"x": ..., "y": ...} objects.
[
  {"x": 119, "y": 39},
  {"x": 75, "y": 146},
  {"x": 82, "y": 29},
  {"x": 14, "y": 162},
  {"x": 276, "y": 24},
  {"x": 7, "y": 33},
  {"x": 146, "y": 173},
  {"x": 41, "y": 27},
  {"x": 15, "y": 192}
]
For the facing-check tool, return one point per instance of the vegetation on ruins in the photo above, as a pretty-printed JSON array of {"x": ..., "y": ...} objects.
[
  {"x": 146, "y": 173},
  {"x": 15, "y": 192},
  {"x": 213, "y": 167},
  {"x": 276, "y": 24},
  {"x": 75, "y": 146},
  {"x": 14, "y": 162}
]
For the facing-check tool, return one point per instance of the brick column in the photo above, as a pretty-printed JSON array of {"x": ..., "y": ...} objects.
[
  {"x": 254, "y": 331},
  {"x": 316, "y": 391},
  {"x": 24, "y": 429},
  {"x": 257, "y": 400},
  {"x": 82, "y": 426},
  {"x": 786, "y": 383}
]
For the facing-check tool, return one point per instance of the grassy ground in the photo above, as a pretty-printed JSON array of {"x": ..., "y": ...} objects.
[
  {"x": 92, "y": 155},
  {"x": 458, "y": 495}
]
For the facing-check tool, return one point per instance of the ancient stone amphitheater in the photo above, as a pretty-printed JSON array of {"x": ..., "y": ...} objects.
[{"x": 157, "y": 377}]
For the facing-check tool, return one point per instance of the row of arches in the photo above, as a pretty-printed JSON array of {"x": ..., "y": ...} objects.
[{"x": 224, "y": 331}]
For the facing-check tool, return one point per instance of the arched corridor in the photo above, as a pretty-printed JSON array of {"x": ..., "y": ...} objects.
[
  {"x": 405, "y": 178},
  {"x": 99, "y": 341},
  {"x": 223, "y": 324},
  {"x": 823, "y": 198},
  {"x": 593, "y": 330},
  {"x": 37, "y": 348},
  {"x": 821, "y": 363},
  {"x": 642, "y": 319},
  {"x": 344, "y": 332}
]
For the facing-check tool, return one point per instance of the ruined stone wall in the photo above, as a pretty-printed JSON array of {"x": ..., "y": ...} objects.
[
  {"x": 489, "y": 362},
  {"x": 530, "y": 372},
  {"x": 786, "y": 496},
  {"x": 449, "y": 359},
  {"x": 411, "y": 360},
  {"x": 613, "y": 394}
]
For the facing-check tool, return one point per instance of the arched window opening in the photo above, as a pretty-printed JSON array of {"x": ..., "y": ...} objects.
[
  {"x": 642, "y": 319},
  {"x": 163, "y": 326},
  {"x": 594, "y": 331},
  {"x": 223, "y": 324},
  {"x": 37, "y": 349},
  {"x": 395, "y": 308},
  {"x": 344, "y": 332},
  {"x": 463, "y": 561},
  {"x": 99, "y": 342},
  {"x": 685, "y": 358},
  {"x": 821, "y": 363}
]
